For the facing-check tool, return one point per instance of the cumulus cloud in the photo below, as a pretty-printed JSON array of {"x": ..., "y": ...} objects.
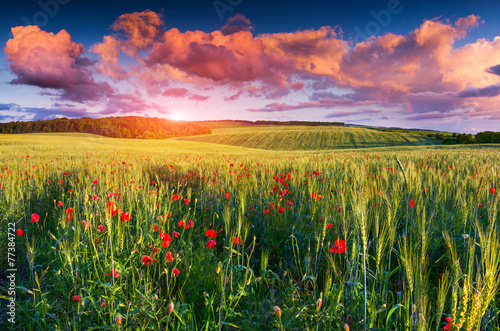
[
  {"x": 53, "y": 61},
  {"x": 237, "y": 23}
]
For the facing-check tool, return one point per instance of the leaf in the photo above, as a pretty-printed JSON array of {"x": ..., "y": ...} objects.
[
  {"x": 25, "y": 289},
  {"x": 393, "y": 309}
]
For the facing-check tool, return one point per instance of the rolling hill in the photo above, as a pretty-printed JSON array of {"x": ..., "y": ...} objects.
[{"x": 289, "y": 138}]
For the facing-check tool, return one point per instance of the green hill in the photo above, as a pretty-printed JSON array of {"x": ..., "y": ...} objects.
[{"x": 288, "y": 138}]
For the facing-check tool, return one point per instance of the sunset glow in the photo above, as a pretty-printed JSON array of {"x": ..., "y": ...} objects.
[{"x": 387, "y": 63}]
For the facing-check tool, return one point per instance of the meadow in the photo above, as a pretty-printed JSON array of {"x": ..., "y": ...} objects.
[{"x": 177, "y": 234}]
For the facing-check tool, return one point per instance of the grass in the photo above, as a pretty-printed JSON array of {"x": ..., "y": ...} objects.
[
  {"x": 290, "y": 138},
  {"x": 419, "y": 224}
]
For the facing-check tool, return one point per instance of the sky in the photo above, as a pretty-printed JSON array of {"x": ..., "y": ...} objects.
[{"x": 393, "y": 63}]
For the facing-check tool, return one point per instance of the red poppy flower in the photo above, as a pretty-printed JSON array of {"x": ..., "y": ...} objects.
[
  {"x": 94, "y": 197},
  {"x": 59, "y": 203},
  {"x": 211, "y": 243},
  {"x": 411, "y": 203},
  {"x": 447, "y": 326},
  {"x": 237, "y": 241},
  {"x": 281, "y": 209},
  {"x": 339, "y": 247},
  {"x": 181, "y": 223},
  {"x": 175, "y": 234},
  {"x": 211, "y": 233},
  {"x": 252, "y": 208},
  {"x": 125, "y": 217},
  {"x": 76, "y": 298},
  {"x": 227, "y": 195},
  {"x": 69, "y": 211},
  {"x": 112, "y": 210},
  {"x": 103, "y": 303},
  {"x": 186, "y": 201},
  {"x": 19, "y": 232},
  {"x": 169, "y": 257},
  {"x": 34, "y": 218},
  {"x": 166, "y": 239},
  {"x": 101, "y": 228},
  {"x": 492, "y": 190},
  {"x": 175, "y": 197},
  {"x": 329, "y": 226},
  {"x": 66, "y": 173},
  {"x": 147, "y": 260},
  {"x": 95, "y": 182},
  {"x": 266, "y": 212},
  {"x": 176, "y": 272},
  {"x": 114, "y": 273},
  {"x": 62, "y": 182}
]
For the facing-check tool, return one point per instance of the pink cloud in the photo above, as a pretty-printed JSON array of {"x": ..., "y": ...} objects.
[
  {"x": 176, "y": 92},
  {"x": 53, "y": 61},
  {"x": 297, "y": 86},
  {"x": 237, "y": 23},
  {"x": 198, "y": 97},
  {"x": 321, "y": 103}
]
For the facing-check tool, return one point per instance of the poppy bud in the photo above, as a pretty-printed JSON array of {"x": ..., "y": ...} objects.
[
  {"x": 346, "y": 327},
  {"x": 219, "y": 267},
  {"x": 319, "y": 302},
  {"x": 171, "y": 307},
  {"x": 118, "y": 319},
  {"x": 277, "y": 311}
]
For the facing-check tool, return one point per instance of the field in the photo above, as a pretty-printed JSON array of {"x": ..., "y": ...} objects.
[
  {"x": 303, "y": 138},
  {"x": 189, "y": 235}
]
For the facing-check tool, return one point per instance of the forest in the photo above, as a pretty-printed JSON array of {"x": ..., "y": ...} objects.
[{"x": 114, "y": 127}]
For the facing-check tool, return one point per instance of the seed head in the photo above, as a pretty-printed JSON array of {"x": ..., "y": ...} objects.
[{"x": 277, "y": 311}]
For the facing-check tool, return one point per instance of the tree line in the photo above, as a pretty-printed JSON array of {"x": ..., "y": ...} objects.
[{"x": 114, "y": 127}]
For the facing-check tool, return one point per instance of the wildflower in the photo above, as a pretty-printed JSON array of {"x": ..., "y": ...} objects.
[
  {"x": 281, "y": 209},
  {"x": 155, "y": 228},
  {"x": 165, "y": 237},
  {"x": 186, "y": 201},
  {"x": 237, "y": 241},
  {"x": 114, "y": 273},
  {"x": 266, "y": 212},
  {"x": 339, "y": 247},
  {"x": 211, "y": 233},
  {"x": 34, "y": 218},
  {"x": 103, "y": 303},
  {"x": 319, "y": 302},
  {"x": 169, "y": 257},
  {"x": 170, "y": 307},
  {"x": 411, "y": 203},
  {"x": 62, "y": 182},
  {"x": 175, "y": 234},
  {"x": 59, "y": 203},
  {"x": 176, "y": 272},
  {"x": 492, "y": 190},
  {"x": 447, "y": 326},
  {"x": 227, "y": 195},
  {"x": 69, "y": 215},
  {"x": 19, "y": 232},
  {"x": 86, "y": 199},
  {"x": 118, "y": 319},
  {"x": 76, "y": 298},
  {"x": 94, "y": 197},
  {"x": 181, "y": 223},
  {"x": 146, "y": 259},
  {"x": 125, "y": 217},
  {"x": 175, "y": 197},
  {"x": 277, "y": 311},
  {"x": 112, "y": 210},
  {"x": 211, "y": 243},
  {"x": 329, "y": 226},
  {"x": 101, "y": 228}
]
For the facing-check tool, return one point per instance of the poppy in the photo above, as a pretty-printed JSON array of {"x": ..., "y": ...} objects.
[
  {"x": 103, "y": 303},
  {"x": 59, "y": 203},
  {"x": 62, "y": 182},
  {"x": 339, "y": 247},
  {"x": 34, "y": 218},
  {"x": 227, "y": 195},
  {"x": 237, "y": 241},
  {"x": 112, "y": 210},
  {"x": 19, "y": 232},
  {"x": 125, "y": 217},
  {"x": 147, "y": 260},
  {"x": 166, "y": 239},
  {"x": 211, "y": 243},
  {"x": 186, "y": 201},
  {"x": 175, "y": 234},
  {"x": 211, "y": 233},
  {"x": 176, "y": 272},
  {"x": 447, "y": 326},
  {"x": 169, "y": 257},
  {"x": 266, "y": 212},
  {"x": 175, "y": 197},
  {"x": 114, "y": 273},
  {"x": 181, "y": 223},
  {"x": 101, "y": 228},
  {"x": 492, "y": 190},
  {"x": 329, "y": 226},
  {"x": 69, "y": 211},
  {"x": 76, "y": 298},
  {"x": 281, "y": 209},
  {"x": 94, "y": 197},
  {"x": 411, "y": 203}
]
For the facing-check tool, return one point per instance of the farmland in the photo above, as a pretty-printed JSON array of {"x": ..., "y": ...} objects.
[
  {"x": 297, "y": 228},
  {"x": 289, "y": 138}
]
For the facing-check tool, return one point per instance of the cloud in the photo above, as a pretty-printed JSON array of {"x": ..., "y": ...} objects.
[
  {"x": 15, "y": 112},
  {"x": 488, "y": 91},
  {"x": 175, "y": 92},
  {"x": 141, "y": 30},
  {"x": 198, "y": 97},
  {"x": 237, "y": 23},
  {"x": 494, "y": 70},
  {"x": 297, "y": 86},
  {"x": 321, "y": 103},
  {"x": 53, "y": 61}
]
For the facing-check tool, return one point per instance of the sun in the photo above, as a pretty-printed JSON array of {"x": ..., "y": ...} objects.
[{"x": 177, "y": 117}]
